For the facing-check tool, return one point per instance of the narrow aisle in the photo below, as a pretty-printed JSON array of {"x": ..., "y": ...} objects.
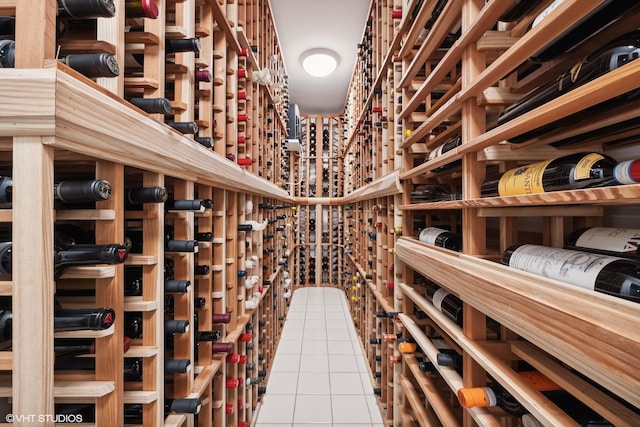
[{"x": 320, "y": 376}]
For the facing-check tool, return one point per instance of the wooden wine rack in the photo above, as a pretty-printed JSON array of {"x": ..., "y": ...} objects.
[
  {"x": 65, "y": 126},
  {"x": 341, "y": 212},
  {"x": 407, "y": 96}
]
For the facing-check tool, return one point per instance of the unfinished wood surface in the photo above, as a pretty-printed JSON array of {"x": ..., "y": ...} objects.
[
  {"x": 117, "y": 132},
  {"x": 424, "y": 417},
  {"x": 524, "y": 303},
  {"x": 34, "y": 287},
  {"x": 440, "y": 405},
  {"x": 610, "y": 408}
]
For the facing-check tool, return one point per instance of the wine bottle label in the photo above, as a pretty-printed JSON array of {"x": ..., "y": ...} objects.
[
  {"x": 438, "y": 297},
  {"x": 574, "y": 267},
  {"x": 523, "y": 180},
  {"x": 584, "y": 166},
  {"x": 626, "y": 172},
  {"x": 624, "y": 240},
  {"x": 430, "y": 234},
  {"x": 546, "y": 12},
  {"x": 528, "y": 179}
]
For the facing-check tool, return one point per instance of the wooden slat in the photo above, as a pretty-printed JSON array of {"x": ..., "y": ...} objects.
[
  {"x": 606, "y": 196},
  {"x": 85, "y": 214},
  {"x": 6, "y": 360},
  {"x": 419, "y": 410},
  {"x": 120, "y": 133},
  {"x": 140, "y": 396},
  {"x": 6, "y": 288},
  {"x": 440, "y": 406},
  {"x": 88, "y": 272},
  {"x": 610, "y": 408}
]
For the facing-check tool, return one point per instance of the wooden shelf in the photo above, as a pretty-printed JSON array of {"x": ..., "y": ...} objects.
[{"x": 524, "y": 302}]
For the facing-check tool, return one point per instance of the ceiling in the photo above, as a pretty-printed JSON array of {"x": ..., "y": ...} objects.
[{"x": 307, "y": 24}]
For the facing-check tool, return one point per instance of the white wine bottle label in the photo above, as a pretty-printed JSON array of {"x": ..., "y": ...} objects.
[
  {"x": 624, "y": 173},
  {"x": 430, "y": 234},
  {"x": 438, "y": 297},
  {"x": 546, "y": 12},
  {"x": 624, "y": 240},
  {"x": 523, "y": 180},
  {"x": 572, "y": 267}
]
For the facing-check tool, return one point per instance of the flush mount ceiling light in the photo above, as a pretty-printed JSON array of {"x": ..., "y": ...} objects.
[{"x": 319, "y": 62}]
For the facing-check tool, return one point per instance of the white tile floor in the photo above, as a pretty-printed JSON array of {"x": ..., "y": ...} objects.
[{"x": 319, "y": 377}]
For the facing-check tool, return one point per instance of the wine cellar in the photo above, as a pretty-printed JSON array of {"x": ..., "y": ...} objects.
[{"x": 468, "y": 203}]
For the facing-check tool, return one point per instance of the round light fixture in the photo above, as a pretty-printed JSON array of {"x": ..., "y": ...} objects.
[{"x": 319, "y": 62}]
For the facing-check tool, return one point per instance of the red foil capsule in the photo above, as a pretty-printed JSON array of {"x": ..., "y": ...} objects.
[
  {"x": 243, "y": 359},
  {"x": 242, "y": 74},
  {"x": 244, "y": 338},
  {"x": 396, "y": 14},
  {"x": 244, "y": 161},
  {"x": 233, "y": 358},
  {"x": 228, "y": 409},
  {"x": 232, "y": 383}
]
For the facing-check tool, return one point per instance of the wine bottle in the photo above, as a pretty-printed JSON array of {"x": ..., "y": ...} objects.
[
  {"x": 603, "y": 16},
  {"x": 614, "y": 276},
  {"x": 78, "y": 254},
  {"x": 140, "y": 195},
  {"x": 176, "y": 326},
  {"x": 187, "y": 128},
  {"x": 496, "y": 395},
  {"x": 86, "y": 9},
  {"x": 136, "y": 60},
  {"x": 133, "y": 412},
  {"x": 581, "y": 413},
  {"x": 172, "y": 245},
  {"x": 152, "y": 105},
  {"x": 141, "y": 9},
  {"x": 621, "y": 242},
  {"x": 571, "y": 172},
  {"x": 444, "y": 301},
  {"x": 93, "y": 65},
  {"x": 610, "y": 57},
  {"x": 448, "y": 145},
  {"x": 92, "y": 190},
  {"x": 200, "y": 336},
  {"x": 90, "y": 319},
  {"x": 67, "y": 348},
  {"x": 439, "y": 237},
  {"x": 196, "y": 205},
  {"x": 205, "y": 141},
  {"x": 177, "y": 366}
]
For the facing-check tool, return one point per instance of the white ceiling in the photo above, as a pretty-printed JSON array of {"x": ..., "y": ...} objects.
[{"x": 306, "y": 24}]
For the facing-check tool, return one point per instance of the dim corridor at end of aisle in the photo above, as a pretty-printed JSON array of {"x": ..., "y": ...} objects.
[{"x": 320, "y": 377}]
